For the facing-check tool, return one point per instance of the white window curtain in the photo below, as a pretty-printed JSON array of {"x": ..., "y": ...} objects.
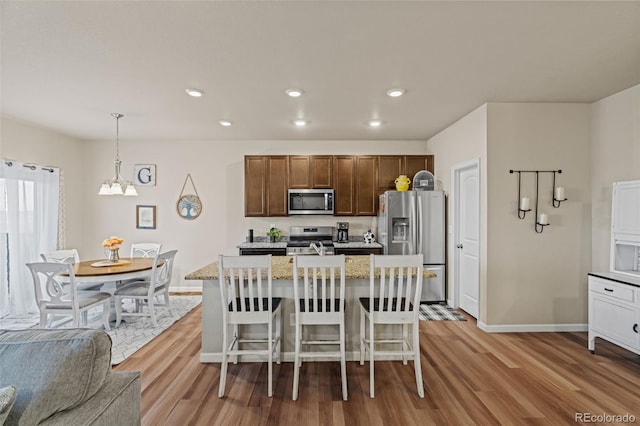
[{"x": 28, "y": 227}]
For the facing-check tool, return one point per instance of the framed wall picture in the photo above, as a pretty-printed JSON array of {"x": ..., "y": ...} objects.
[
  {"x": 146, "y": 217},
  {"x": 144, "y": 174}
]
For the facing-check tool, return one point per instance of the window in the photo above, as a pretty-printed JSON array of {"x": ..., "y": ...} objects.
[{"x": 28, "y": 227}]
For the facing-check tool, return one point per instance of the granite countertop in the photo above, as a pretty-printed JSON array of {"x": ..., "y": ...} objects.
[
  {"x": 281, "y": 269},
  {"x": 356, "y": 244}
]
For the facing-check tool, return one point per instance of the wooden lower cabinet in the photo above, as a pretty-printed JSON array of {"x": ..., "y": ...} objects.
[
  {"x": 262, "y": 251},
  {"x": 358, "y": 251}
]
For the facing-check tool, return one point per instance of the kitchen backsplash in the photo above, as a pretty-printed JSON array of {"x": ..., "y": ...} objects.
[{"x": 357, "y": 225}]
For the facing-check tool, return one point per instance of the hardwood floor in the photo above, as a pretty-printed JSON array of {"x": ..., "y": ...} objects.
[{"x": 471, "y": 377}]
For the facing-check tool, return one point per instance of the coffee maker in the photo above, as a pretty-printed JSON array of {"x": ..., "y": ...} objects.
[{"x": 343, "y": 232}]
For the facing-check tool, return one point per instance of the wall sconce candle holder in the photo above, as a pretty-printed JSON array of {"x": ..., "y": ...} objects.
[
  {"x": 557, "y": 192},
  {"x": 523, "y": 203}
]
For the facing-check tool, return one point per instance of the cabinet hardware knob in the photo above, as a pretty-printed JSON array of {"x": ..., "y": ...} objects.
[
  {"x": 608, "y": 289},
  {"x": 635, "y": 328}
]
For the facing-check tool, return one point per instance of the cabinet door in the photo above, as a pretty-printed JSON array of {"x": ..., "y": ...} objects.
[
  {"x": 321, "y": 171},
  {"x": 300, "y": 172},
  {"x": 344, "y": 184},
  {"x": 366, "y": 194},
  {"x": 255, "y": 174},
  {"x": 626, "y": 208},
  {"x": 389, "y": 168},
  {"x": 613, "y": 320},
  {"x": 277, "y": 185},
  {"x": 415, "y": 163}
]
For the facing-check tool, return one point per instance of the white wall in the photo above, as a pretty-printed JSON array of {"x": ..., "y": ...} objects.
[
  {"x": 538, "y": 279},
  {"x": 461, "y": 142},
  {"x": 217, "y": 168},
  {"x": 31, "y": 144},
  {"x": 615, "y": 156}
]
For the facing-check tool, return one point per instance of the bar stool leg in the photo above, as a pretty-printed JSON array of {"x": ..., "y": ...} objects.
[
  {"x": 362, "y": 336},
  {"x": 405, "y": 343},
  {"x": 296, "y": 363},
  {"x": 416, "y": 360},
  {"x": 371, "y": 356},
  {"x": 343, "y": 360},
  {"x": 223, "y": 367}
]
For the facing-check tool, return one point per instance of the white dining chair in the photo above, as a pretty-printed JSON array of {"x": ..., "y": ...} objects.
[
  {"x": 49, "y": 280},
  {"x": 318, "y": 297},
  {"x": 246, "y": 295},
  {"x": 395, "y": 287},
  {"x": 145, "y": 292},
  {"x": 145, "y": 249},
  {"x": 70, "y": 256}
]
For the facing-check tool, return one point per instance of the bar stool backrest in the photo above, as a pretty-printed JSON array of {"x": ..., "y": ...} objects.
[
  {"x": 399, "y": 284},
  {"x": 322, "y": 283},
  {"x": 244, "y": 278}
]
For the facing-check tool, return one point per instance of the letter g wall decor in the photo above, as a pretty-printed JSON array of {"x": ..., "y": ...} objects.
[{"x": 144, "y": 174}]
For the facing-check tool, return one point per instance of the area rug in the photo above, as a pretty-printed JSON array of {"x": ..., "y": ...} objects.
[
  {"x": 133, "y": 333},
  {"x": 439, "y": 313}
]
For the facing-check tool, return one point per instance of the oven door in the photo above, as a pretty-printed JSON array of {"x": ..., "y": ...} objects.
[{"x": 310, "y": 201}]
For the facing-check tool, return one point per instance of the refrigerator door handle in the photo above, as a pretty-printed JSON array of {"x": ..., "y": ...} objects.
[{"x": 418, "y": 226}]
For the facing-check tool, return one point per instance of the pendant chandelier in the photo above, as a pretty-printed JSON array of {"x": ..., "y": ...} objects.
[{"x": 117, "y": 185}]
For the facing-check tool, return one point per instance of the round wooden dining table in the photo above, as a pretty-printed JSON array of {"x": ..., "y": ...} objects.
[{"x": 130, "y": 267}]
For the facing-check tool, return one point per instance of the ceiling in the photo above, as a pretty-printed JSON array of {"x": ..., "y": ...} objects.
[{"x": 66, "y": 65}]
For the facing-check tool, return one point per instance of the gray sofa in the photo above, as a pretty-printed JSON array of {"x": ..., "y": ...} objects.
[{"x": 64, "y": 377}]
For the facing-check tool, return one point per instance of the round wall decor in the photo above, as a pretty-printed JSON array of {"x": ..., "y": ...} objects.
[{"x": 189, "y": 206}]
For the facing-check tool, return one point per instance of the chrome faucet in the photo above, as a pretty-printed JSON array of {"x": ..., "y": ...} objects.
[{"x": 321, "y": 251}]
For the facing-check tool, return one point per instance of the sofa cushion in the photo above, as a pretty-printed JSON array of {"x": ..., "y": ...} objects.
[
  {"x": 7, "y": 398},
  {"x": 53, "y": 370}
]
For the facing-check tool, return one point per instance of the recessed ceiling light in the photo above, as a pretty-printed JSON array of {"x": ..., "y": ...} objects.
[
  {"x": 294, "y": 93},
  {"x": 394, "y": 93},
  {"x": 300, "y": 122},
  {"x": 224, "y": 123},
  {"x": 374, "y": 123},
  {"x": 196, "y": 93}
]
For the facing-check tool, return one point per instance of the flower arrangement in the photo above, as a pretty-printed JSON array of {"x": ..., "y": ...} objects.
[{"x": 112, "y": 242}]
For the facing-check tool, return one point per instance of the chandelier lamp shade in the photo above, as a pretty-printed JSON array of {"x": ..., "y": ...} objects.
[{"x": 117, "y": 185}]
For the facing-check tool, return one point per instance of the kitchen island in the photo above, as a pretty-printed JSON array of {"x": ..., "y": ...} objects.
[{"x": 357, "y": 285}]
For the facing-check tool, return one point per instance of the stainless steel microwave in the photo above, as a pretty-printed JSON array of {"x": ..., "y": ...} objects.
[{"x": 310, "y": 201}]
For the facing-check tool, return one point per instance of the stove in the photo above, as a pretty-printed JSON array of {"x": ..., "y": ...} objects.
[{"x": 310, "y": 240}]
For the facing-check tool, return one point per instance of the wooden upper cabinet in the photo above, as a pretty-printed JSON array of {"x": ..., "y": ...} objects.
[
  {"x": 366, "y": 188},
  {"x": 415, "y": 163},
  {"x": 389, "y": 168},
  {"x": 277, "y": 185},
  {"x": 344, "y": 168},
  {"x": 255, "y": 176},
  {"x": 300, "y": 171},
  {"x": 310, "y": 171},
  {"x": 321, "y": 171}
]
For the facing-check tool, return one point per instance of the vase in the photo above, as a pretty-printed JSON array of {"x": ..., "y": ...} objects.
[{"x": 113, "y": 255}]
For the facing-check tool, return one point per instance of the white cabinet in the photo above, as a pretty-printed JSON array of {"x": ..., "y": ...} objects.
[
  {"x": 614, "y": 310},
  {"x": 625, "y": 228},
  {"x": 625, "y": 215}
]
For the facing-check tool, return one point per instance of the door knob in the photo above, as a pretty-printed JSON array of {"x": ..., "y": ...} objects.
[
  {"x": 635, "y": 328},
  {"x": 459, "y": 246}
]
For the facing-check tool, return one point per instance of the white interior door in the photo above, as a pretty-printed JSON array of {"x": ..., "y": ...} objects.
[{"x": 467, "y": 236}]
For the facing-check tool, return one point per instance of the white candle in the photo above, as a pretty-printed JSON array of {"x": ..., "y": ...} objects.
[
  {"x": 560, "y": 193},
  {"x": 524, "y": 203},
  {"x": 544, "y": 219}
]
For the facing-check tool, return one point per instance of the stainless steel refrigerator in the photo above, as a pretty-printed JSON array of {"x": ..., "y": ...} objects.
[{"x": 413, "y": 222}]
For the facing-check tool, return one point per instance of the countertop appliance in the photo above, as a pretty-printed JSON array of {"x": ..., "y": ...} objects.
[
  {"x": 305, "y": 240},
  {"x": 310, "y": 201},
  {"x": 413, "y": 222},
  {"x": 343, "y": 232}
]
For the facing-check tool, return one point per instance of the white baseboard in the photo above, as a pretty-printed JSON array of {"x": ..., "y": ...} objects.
[
  {"x": 532, "y": 328},
  {"x": 213, "y": 357},
  {"x": 194, "y": 289}
]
